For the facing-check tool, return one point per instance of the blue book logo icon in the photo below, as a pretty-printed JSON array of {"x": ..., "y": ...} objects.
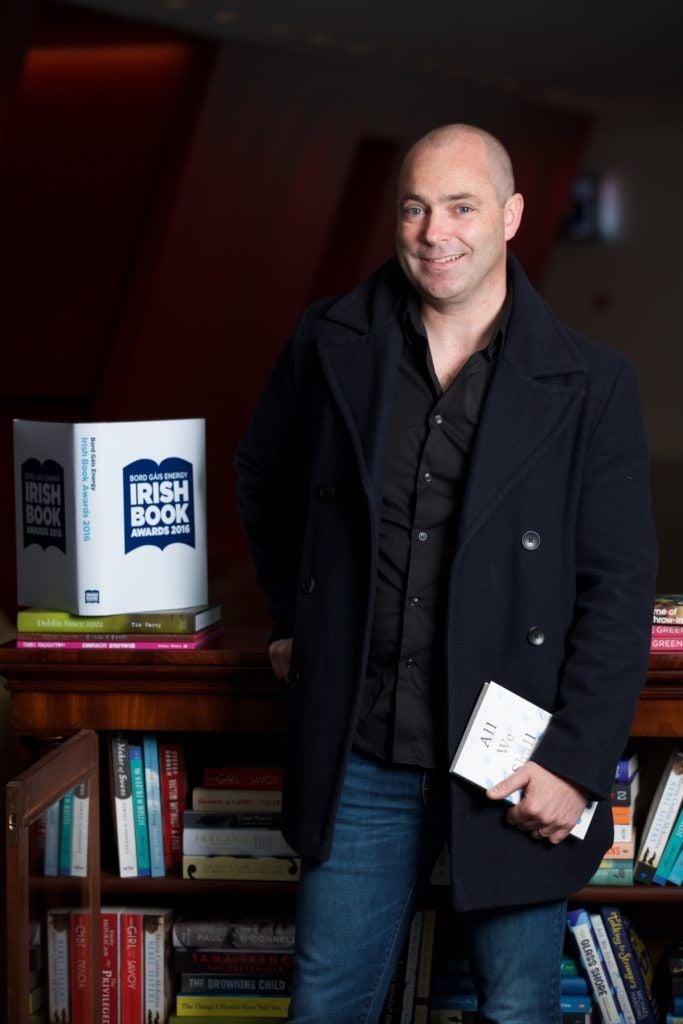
[{"x": 158, "y": 503}]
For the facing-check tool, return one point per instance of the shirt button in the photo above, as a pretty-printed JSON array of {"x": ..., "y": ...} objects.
[
  {"x": 438, "y": 419},
  {"x": 308, "y": 584},
  {"x": 422, "y": 535},
  {"x": 427, "y": 477},
  {"x": 536, "y": 636},
  {"x": 412, "y": 601},
  {"x": 531, "y": 540},
  {"x": 409, "y": 663}
]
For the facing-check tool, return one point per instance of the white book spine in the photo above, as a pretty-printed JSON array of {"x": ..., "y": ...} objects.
[
  {"x": 249, "y": 842},
  {"x": 612, "y": 969},
  {"x": 591, "y": 958},
  {"x": 58, "y": 967},
  {"x": 663, "y": 813},
  {"x": 157, "y": 946},
  {"x": 124, "y": 811},
  {"x": 88, "y": 500},
  {"x": 79, "y": 835}
]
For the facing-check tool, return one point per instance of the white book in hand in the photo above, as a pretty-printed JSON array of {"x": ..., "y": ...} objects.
[{"x": 501, "y": 735}]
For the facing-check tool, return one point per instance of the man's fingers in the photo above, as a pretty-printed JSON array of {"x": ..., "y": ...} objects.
[{"x": 280, "y": 653}]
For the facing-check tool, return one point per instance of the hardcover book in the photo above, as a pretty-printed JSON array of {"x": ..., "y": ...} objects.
[
  {"x": 661, "y": 819},
  {"x": 501, "y": 735},
  {"x": 105, "y": 511},
  {"x": 166, "y": 624}
]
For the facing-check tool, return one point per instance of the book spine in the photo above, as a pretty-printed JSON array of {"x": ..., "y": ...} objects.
[
  {"x": 39, "y": 620},
  {"x": 232, "y": 819},
  {"x": 80, "y": 967},
  {"x": 660, "y": 819},
  {"x": 591, "y": 958},
  {"x": 668, "y": 630},
  {"x": 628, "y": 964},
  {"x": 132, "y": 968},
  {"x": 51, "y": 856},
  {"x": 242, "y": 778},
  {"x": 79, "y": 835},
  {"x": 66, "y": 820},
  {"x": 238, "y": 800},
  {"x": 672, "y": 849},
  {"x": 90, "y": 550},
  {"x": 625, "y": 793},
  {"x": 246, "y": 869},
  {"x": 644, "y": 963},
  {"x": 266, "y": 936},
  {"x": 232, "y": 1006},
  {"x": 172, "y": 768},
  {"x": 249, "y": 842},
  {"x": 269, "y": 962},
  {"x": 412, "y": 958},
  {"x": 621, "y": 851},
  {"x": 676, "y": 876},
  {"x": 157, "y": 973},
  {"x": 137, "y": 780},
  {"x": 109, "y": 965},
  {"x": 424, "y": 967},
  {"x": 235, "y": 984},
  {"x": 666, "y": 643},
  {"x": 612, "y": 969},
  {"x": 58, "y": 972},
  {"x": 123, "y": 807},
  {"x": 624, "y": 833},
  {"x": 626, "y": 768},
  {"x": 613, "y": 876},
  {"x": 153, "y": 797},
  {"x": 109, "y": 645}
]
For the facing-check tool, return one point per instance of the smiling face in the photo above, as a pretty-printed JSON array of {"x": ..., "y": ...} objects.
[{"x": 454, "y": 222}]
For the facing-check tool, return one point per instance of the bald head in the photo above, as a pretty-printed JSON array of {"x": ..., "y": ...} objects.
[{"x": 450, "y": 135}]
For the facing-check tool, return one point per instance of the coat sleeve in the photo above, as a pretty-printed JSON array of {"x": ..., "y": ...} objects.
[
  {"x": 272, "y": 488},
  {"x": 608, "y": 644}
]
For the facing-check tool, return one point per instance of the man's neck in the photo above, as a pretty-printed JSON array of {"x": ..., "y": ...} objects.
[{"x": 456, "y": 333}]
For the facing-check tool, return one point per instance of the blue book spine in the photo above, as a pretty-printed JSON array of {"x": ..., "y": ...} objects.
[
  {"x": 577, "y": 986},
  {"x": 576, "y": 1004},
  {"x": 51, "y": 852},
  {"x": 676, "y": 876},
  {"x": 677, "y": 1006},
  {"x": 153, "y": 792},
  {"x": 624, "y": 954},
  {"x": 66, "y": 820},
  {"x": 672, "y": 849},
  {"x": 137, "y": 781}
]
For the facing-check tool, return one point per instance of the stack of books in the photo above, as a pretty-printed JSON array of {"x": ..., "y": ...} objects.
[
  {"x": 233, "y": 830},
  {"x": 660, "y": 854},
  {"x": 136, "y": 980},
  {"x": 667, "y": 624},
  {"x": 616, "y": 867},
  {"x": 233, "y": 969},
  {"x": 180, "y": 629},
  {"x": 617, "y": 965}
]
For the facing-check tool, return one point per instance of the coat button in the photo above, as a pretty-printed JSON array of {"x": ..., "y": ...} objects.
[
  {"x": 531, "y": 540},
  {"x": 326, "y": 492},
  {"x": 536, "y": 636},
  {"x": 293, "y": 677},
  {"x": 308, "y": 584}
]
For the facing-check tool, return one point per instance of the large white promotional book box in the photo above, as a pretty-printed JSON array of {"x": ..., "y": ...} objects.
[{"x": 110, "y": 517}]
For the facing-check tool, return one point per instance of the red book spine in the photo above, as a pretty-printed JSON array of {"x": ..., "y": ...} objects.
[
  {"x": 109, "y": 966},
  {"x": 173, "y": 798},
  {"x": 80, "y": 966},
  {"x": 242, "y": 778},
  {"x": 132, "y": 967}
]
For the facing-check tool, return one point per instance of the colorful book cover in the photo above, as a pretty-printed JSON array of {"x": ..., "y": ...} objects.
[
  {"x": 58, "y": 932},
  {"x": 242, "y": 869},
  {"x": 166, "y": 623},
  {"x": 66, "y": 821},
  {"x": 79, "y": 833},
  {"x": 672, "y": 850},
  {"x": 676, "y": 876},
  {"x": 243, "y": 800},
  {"x": 106, "y": 510},
  {"x": 132, "y": 967},
  {"x": 207, "y": 984},
  {"x": 660, "y": 819},
  {"x": 110, "y": 964},
  {"x": 123, "y": 807},
  {"x": 240, "y": 777},
  {"x": 267, "y": 1007},
  {"x": 80, "y": 967},
  {"x": 51, "y": 854},
  {"x": 150, "y": 752},
  {"x": 634, "y": 983},
  {"x": 158, "y": 979},
  {"x": 137, "y": 780},
  {"x": 173, "y": 797},
  {"x": 593, "y": 963},
  {"x": 503, "y": 731},
  {"x": 612, "y": 968}
]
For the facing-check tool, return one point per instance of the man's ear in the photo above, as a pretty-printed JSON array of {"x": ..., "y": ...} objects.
[{"x": 512, "y": 215}]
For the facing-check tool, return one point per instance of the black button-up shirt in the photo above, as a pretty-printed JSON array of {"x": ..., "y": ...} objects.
[{"x": 432, "y": 436}]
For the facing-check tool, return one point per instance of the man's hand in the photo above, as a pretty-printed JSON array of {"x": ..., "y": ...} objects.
[
  {"x": 280, "y": 653},
  {"x": 550, "y": 806}
]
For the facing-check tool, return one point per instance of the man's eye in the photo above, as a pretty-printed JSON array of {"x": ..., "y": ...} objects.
[
  {"x": 412, "y": 211},
  {"x": 464, "y": 209}
]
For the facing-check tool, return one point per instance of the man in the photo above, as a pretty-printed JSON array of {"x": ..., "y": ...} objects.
[{"x": 443, "y": 485}]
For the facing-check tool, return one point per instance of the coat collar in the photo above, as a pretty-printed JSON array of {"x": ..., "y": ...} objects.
[{"x": 537, "y": 383}]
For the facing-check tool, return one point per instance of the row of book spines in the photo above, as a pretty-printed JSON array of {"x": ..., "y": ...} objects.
[
  {"x": 134, "y": 956},
  {"x": 119, "y": 641},
  {"x": 617, "y": 965},
  {"x": 60, "y": 838},
  {"x": 660, "y": 855}
]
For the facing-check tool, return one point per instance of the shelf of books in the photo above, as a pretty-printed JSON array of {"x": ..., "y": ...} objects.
[{"x": 191, "y": 891}]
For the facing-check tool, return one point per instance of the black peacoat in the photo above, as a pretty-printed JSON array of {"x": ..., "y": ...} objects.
[{"x": 564, "y": 619}]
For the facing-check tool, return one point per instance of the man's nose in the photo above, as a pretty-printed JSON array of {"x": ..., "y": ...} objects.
[{"x": 435, "y": 229}]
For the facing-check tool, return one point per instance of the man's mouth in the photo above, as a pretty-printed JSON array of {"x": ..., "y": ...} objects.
[{"x": 440, "y": 260}]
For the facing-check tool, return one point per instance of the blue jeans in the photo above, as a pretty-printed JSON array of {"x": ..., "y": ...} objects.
[{"x": 354, "y": 911}]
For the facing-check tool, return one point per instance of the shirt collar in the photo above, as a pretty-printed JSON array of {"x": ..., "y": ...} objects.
[{"x": 413, "y": 327}]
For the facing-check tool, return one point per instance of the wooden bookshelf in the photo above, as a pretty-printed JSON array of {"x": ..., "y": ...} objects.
[{"x": 227, "y": 687}]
